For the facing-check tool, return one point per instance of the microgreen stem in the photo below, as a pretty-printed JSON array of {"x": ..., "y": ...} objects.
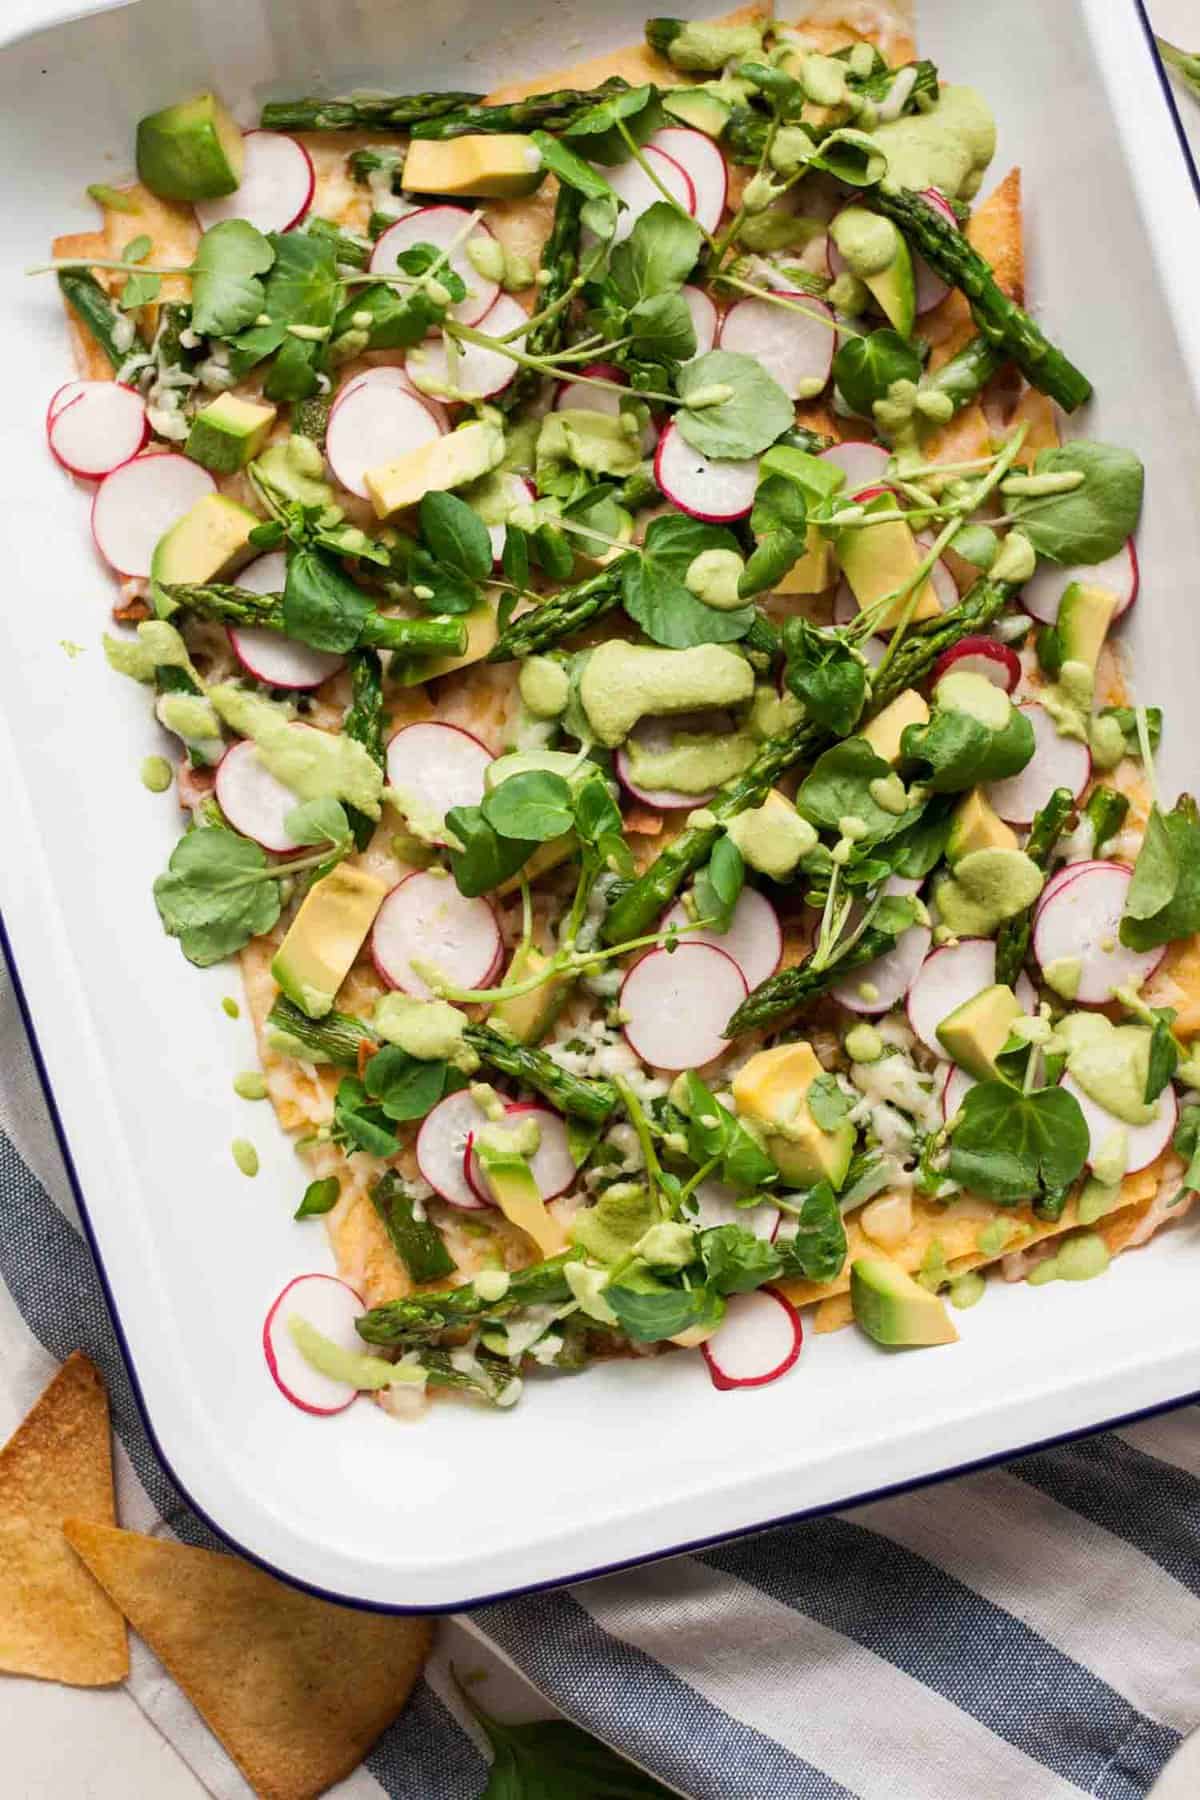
[
  {"x": 762, "y": 293},
  {"x": 635, "y": 150},
  {"x": 549, "y": 365}
]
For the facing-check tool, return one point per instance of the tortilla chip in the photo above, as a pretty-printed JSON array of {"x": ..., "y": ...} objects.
[
  {"x": 995, "y": 231},
  {"x": 88, "y": 357},
  {"x": 296, "y": 1689},
  {"x": 54, "y": 1620}
]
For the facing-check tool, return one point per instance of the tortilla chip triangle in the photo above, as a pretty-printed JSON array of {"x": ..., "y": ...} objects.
[
  {"x": 296, "y": 1689},
  {"x": 54, "y": 1620}
]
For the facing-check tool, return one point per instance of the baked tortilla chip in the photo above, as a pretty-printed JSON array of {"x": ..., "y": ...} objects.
[
  {"x": 55, "y": 1622},
  {"x": 296, "y": 1689}
]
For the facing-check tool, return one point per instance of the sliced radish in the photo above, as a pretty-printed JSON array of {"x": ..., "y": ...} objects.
[
  {"x": 1045, "y": 588},
  {"x": 890, "y": 975},
  {"x": 553, "y": 1167},
  {"x": 446, "y": 228},
  {"x": 255, "y": 802},
  {"x": 845, "y": 611},
  {"x": 931, "y": 289},
  {"x": 1056, "y": 762},
  {"x": 1068, "y": 872},
  {"x": 1144, "y": 1143},
  {"x": 331, "y": 1308},
  {"x": 61, "y": 396},
  {"x": 713, "y": 489},
  {"x": 656, "y": 735},
  {"x": 391, "y": 375},
  {"x": 754, "y": 939},
  {"x": 97, "y": 428},
  {"x": 518, "y": 492},
  {"x": 676, "y": 1004},
  {"x": 426, "y": 919},
  {"x": 276, "y": 188},
  {"x": 756, "y": 1342},
  {"x": 955, "y": 1089},
  {"x": 795, "y": 349},
  {"x": 940, "y": 579},
  {"x": 862, "y": 464},
  {"x": 704, "y": 317},
  {"x": 581, "y": 396},
  {"x": 996, "y": 662},
  {"x": 630, "y": 183},
  {"x": 478, "y": 372},
  {"x": 436, "y": 767},
  {"x": 373, "y": 423},
  {"x": 441, "y": 1148},
  {"x": 716, "y": 1204},
  {"x": 278, "y": 661},
  {"x": 704, "y": 166},
  {"x": 1081, "y": 921},
  {"x": 137, "y": 503},
  {"x": 946, "y": 979}
]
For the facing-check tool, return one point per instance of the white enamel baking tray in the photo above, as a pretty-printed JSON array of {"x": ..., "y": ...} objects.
[{"x": 633, "y": 1460}]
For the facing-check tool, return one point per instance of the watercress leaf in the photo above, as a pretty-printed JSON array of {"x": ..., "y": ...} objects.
[
  {"x": 456, "y": 535},
  {"x": 708, "y": 1122},
  {"x": 534, "y": 805},
  {"x": 736, "y": 1261},
  {"x": 1163, "y": 902},
  {"x": 976, "y": 544},
  {"x": 1011, "y": 1146},
  {"x": 769, "y": 562},
  {"x": 826, "y": 674},
  {"x": 444, "y": 589},
  {"x": 662, "y": 329},
  {"x": 303, "y": 287},
  {"x": 959, "y": 751},
  {"x": 293, "y": 375},
  {"x": 319, "y": 1197},
  {"x": 406, "y": 1087},
  {"x": 480, "y": 858},
  {"x": 839, "y": 783},
  {"x": 600, "y": 218},
  {"x": 396, "y": 317},
  {"x": 139, "y": 290},
  {"x": 719, "y": 883},
  {"x": 869, "y": 1173},
  {"x": 745, "y": 1165},
  {"x": 1164, "y": 1056},
  {"x": 226, "y": 292},
  {"x": 755, "y": 413},
  {"x": 1126, "y": 718},
  {"x": 779, "y": 520},
  {"x": 571, "y": 169},
  {"x": 321, "y": 605},
  {"x": 553, "y": 550},
  {"x": 549, "y": 1759},
  {"x": 1089, "y": 524},
  {"x": 655, "y": 597},
  {"x": 812, "y": 1242},
  {"x": 595, "y": 132},
  {"x": 1186, "y": 1143},
  {"x": 358, "y": 1124},
  {"x": 596, "y": 813},
  {"x": 657, "y": 257},
  {"x": 514, "y": 558},
  {"x": 917, "y": 849},
  {"x": 864, "y": 368},
  {"x": 217, "y": 893},
  {"x": 1156, "y": 872},
  {"x": 650, "y": 1310},
  {"x": 137, "y": 249},
  {"x": 318, "y": 822},
  {"x": 827, "y": 1102}
]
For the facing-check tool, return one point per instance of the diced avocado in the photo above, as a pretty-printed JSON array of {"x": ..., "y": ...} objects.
[
  {"x": 228, "y": 433},
  {"x": 325, "y": 936},
  {"x": 529, "y": 1016},
  {"x": 453, "y": 461},
  {"x": 892, "y": 1308},
  {"x": 888, "y": 727},
  {"x": 698, "y": 107},
  {"x": 813, "y": 572},
  {"x": 772, "y": 1090},
  {"x": 975, "y": 1032},
  {"x": 210, "y": 541},
  {"x": 509, "y": 1179},
  {"x": 504, "y": 167},
  {"x": 878, "y": 559},
  {"x": 877, "y": 253},
  {"x": 190, "y": 151},
  {"x": 976, "y": 827},
  {"x": 1084, "y": 616}
]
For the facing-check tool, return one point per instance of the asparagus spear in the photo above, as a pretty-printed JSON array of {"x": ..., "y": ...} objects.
[
  {"x": 1104, "y": 815},
  {"x": 1187, "y": 63},
  {"x": 346, "y": 249},
  {"x": 791, "y": 988},
  {"x": 559, "y": 266},
  {"x": 94, "y": 309},
  {"x": 240, "y": 606},
  {"x": 1001, "y": 320},
  {"x": 364, "y": 723},
  {"x": 416, "y": 1242},
  {"x": 555, "y": 111},
  {"x": 963, "y": 378},
  {"x": 428, "y": 1315},
  {"x": 361, "y": 112},
  {"x": 1013, "y": 937},
  {"x": 560, "y": 616},
  {"x": 640, "y": 905},
  {"x": 362, "y": 164}
]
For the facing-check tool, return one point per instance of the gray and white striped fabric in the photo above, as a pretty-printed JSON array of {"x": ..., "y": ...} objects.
[{"x": 1028, "y": 1633}]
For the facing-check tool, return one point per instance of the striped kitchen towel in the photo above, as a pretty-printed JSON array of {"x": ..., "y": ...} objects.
[{"x": 1027, "y": 1633}]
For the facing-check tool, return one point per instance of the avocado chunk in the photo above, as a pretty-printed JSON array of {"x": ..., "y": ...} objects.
[
  {"x": 878, "y": 559},
  {"x": 698, "y": 107},
  {"x": 813, "y": 572},
  {"x": 975, "y": 1032},
  {"x": 210, "y": 541},
  {"x": 190, "y": 151},
  {"x": 504, "y": 1164},
  {"x": 325, "y": 936},
  {"x": 228, "y": 433},
  {"x": 888, "y": 727},
  {"x": 879, "y": 256},
  {"x": 453, "y": 461},
  {"x": 771, "y": 1090},
  {"x": 506, "y": 166},
  {"x": 1084, "y": 615},
  {"x": 976, "y": 827},
  {"x": 528, "y": 1017},
  {"x": 892, "y": 1308}
]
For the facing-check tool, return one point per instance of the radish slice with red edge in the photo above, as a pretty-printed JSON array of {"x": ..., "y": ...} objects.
[
  {"x": 704, "y": 317},
  {"x": 255, "y": 802},
  {"x": 1068, "y": 872},
  {"x": 754, "y": 939},
  {"x": 437, "y": 766},
  {"x": 1043, "y": 592},
  {"x": 331, "y": 1308},
  {"x": 1081, "y": 923},
  {"x": 704, "y": 166},
  {"x": 581, "y": 396},
  {"x": 553, "y": 1167},
  {"x": 996, "y": 662},
  {"x": 276, "y": 188},
  {"x": 60, "y": 397},
  {"x": 756, "y": 1342},
  {"x": 137, "y": 503},
  {"x": 714, "y": 1204},
  {"x": 426, "y": 918},
  {"x": 391, "y": 375},
  {"x": 441, "y": 1148},
  {"x": 676, "y": 1004},
  {"x": 948, "y": 977},
  {"x": 656, "y": 734},
  {"x": 374, "y": 423},
  {"x": 630, "y": 183},
  {"x": 955, "y": 1089},
  {"x": 446, "y": 228},
  {"x": 862, "y": 464},
  {"x": 518, "y": 492},
  {"x": 796, "y": 349},
  {"x": 1056, "y": 762},
  {"x": 877, "y": 986},
  {"x": 940, "y": 579},
  {"x": 1144, "y": 1143},
  {"x": 478, "y": 372},
  {"x": 845, "y": 611},
  {"x": 278, "y": 661},
  {"x": 99, "y": 427},
  {"x": 714, "y": 490}
]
